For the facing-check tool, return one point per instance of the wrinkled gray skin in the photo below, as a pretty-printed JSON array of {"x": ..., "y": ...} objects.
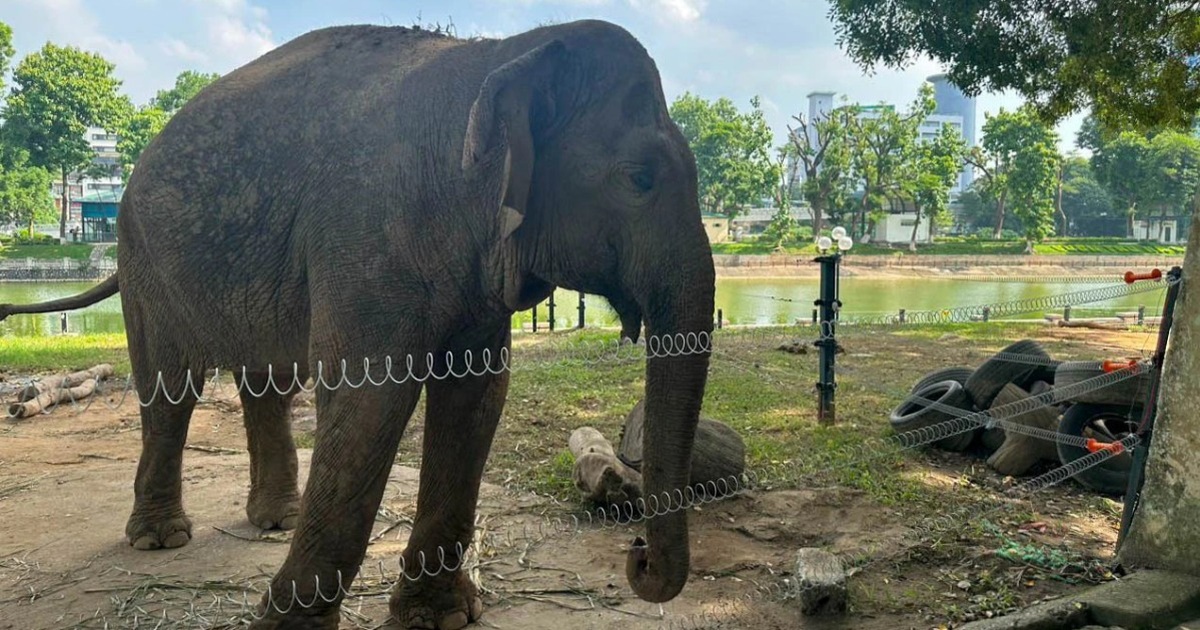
[{"x": 363, "y": 192}]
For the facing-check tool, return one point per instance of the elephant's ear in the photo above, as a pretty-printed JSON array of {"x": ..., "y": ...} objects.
[{"x": 503, "y": 118}]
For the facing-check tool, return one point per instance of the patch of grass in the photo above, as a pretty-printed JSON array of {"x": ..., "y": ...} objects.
[
  {"x": 45, "y": 252},
  {"x": 57, "y": 353},
  {"x": 959, "y": 246}
]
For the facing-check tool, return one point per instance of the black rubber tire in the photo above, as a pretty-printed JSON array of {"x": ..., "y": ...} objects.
[
  {"x": 991, "y": 377},
  {"x": 957, "y": 374},
  {"x": 1129, "y": 391},
  {"x": 911, "y": 415},
  {"x": 1106, "y": 423}
]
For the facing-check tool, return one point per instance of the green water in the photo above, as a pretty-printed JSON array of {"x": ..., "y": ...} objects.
[{"x": 747, "y": 301}]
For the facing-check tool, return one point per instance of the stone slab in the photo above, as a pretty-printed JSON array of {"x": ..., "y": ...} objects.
[
  {"x": 1062, "y": 614},
  {"x": 1145, "y": 600}
]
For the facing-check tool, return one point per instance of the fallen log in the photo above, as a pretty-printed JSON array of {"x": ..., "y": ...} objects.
[
  {"x": 598, "y": 473},
  {"x": 1080, "y": 323},
  {"x": 52, "y": 397},
  {"x": 75, "y": 379}
]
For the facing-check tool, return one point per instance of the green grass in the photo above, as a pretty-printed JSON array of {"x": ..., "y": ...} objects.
[
  {"x": 57, "y": 353},
  {"x": 44, "y": 252},
  {"x": 951, "y": 246}
]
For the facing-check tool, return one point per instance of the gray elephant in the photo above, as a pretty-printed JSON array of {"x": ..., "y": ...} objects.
[{"x": 365, "y": 192}]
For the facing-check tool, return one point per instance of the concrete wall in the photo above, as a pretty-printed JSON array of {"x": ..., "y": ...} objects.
[{"x": 898, "y": 228}]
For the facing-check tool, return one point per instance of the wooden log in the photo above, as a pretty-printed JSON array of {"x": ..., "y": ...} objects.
[
  {"x": 821, "y": 580},
  {"x": 52, "y": 397},
  {"x": 718, "y": 453},
  {"x": 98, "y": 373},
  {"x": 598, "y": 474},
  {"x": 1079, "y": 323}
]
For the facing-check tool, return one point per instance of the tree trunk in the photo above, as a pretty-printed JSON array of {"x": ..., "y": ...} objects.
[
  {"x": 1129, "y": 224},
  {"x": 999, "y": 231},
  {"x": 1165, "y": 532},
  {"x": 66, "y": 207},
  {"x": 1058, "y": 202},
  {"x": 912, "y": 244}
]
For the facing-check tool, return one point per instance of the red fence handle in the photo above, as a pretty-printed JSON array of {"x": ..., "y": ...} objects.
[
  {"x": 1131, "y": 277},
  {"x": 1113, "y": 366},
  {"x": 1115, "y": 447}
]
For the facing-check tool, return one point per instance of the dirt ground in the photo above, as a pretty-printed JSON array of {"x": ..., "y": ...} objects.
[{"x": 66, "y": 488}]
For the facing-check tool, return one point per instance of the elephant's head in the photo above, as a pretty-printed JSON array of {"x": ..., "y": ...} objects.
[{"x": 600, "y": 195}]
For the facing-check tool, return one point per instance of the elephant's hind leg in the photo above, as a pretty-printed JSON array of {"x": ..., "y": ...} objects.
[
  {"x": 167, "y": 398},
  {"x": 274, "y": 500},
  {"x": 460, "y": 422}
]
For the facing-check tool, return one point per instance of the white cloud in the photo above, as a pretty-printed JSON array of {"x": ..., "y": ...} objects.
[
  {"x": 181, "y": 50},
  {"x": 68, "y": 22},
  {"x": 672, "y": 10},
  {"x": 236, "y": 30}
]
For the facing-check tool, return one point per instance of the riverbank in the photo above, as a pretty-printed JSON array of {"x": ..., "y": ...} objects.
[{"x": 1033, "y": 267}]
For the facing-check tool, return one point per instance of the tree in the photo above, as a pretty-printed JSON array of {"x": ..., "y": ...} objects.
[
  {"x": 1121, "y": 167},
  {"x": 6, "y": 51},
  {"x": 24, "y": 190},
  {"x": 187, "y": 85},
  {"x": 1132, "y": 61},
  {"x": 879, "y": 146},
  {"x": 58, "y": 92},
  {"x": 1016, "y": 153},
  {"x": 1174, "y": 169},
  {"x": 732, "y": 150},
  {"x": 137, "y": 130},
  {"x": 823, "y": 147},
  {"x": 934, "y": 167},
  {"x": 1083, "y": 203}
]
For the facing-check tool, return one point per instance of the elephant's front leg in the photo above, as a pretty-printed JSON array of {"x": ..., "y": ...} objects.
[
  {"x": 358, "y": 431},
  {"x": 460, "y": 421}
]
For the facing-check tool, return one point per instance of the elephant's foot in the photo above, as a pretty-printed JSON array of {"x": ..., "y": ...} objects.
[
  {"x": 147, "y": 532},
  {"x": 278, "y": 511},
  {"x": 446, "y": 602}
]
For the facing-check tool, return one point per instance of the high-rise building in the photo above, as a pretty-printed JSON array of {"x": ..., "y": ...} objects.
[{"x": 953, "y": 103}]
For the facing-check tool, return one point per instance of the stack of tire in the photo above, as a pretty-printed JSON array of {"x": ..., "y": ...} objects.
[{"x": 1005, "y": 386}]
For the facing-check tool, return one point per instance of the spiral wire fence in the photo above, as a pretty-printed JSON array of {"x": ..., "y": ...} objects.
[{"x": 654, "y": 506}]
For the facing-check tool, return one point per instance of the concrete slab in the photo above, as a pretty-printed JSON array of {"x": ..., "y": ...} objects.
[{"x": 1146, "y": 600}]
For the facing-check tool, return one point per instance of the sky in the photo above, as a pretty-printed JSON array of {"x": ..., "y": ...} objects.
[{"x": 779, "y": 50}]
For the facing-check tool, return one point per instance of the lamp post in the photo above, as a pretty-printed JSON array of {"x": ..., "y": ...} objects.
[{"x": 828, "y": 305}]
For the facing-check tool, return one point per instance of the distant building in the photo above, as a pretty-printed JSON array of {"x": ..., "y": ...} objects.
[
  {"x": 104, "y": 144},
  {"x": 98, "y": 212},
  {"x": 1165, "y": 231},
  {"x": 717, "y": 227}
]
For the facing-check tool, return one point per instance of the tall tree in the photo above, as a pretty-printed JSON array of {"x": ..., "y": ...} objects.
[
  {"x": 732, "y": 150},
  {"x": 58, "y": 92},
  {"x": 1174, "y": 169},
  {"x": 24, "y": 190},
  {"x": 822, "y": 145},
  {"x": 1032, "y": 187},
  {"x": 187, "y": 85},
  {"x": 6, "y": 51},
  {"x": 933, "y": 167},
  {"x": 1133, "y": 61},
  {"x": 1016, "y": 144},
  {"x": 879, "y": 146},
  {"x": 1122, "y": 168}
]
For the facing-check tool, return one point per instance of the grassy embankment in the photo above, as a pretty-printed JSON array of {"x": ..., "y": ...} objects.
[{"x": 977, "y": 247}]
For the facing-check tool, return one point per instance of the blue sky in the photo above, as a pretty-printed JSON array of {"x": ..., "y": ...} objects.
[{"x": 778, "y": 49}]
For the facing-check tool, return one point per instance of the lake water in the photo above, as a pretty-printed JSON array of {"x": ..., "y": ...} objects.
[{"x": 747, "y": 301}]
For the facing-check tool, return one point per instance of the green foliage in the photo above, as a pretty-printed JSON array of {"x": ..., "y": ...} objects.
[
  {"x": 1121, "y": 166},
  {"x": 1128, "y": 59},
  {"x": 1174, "y": 170},
  {"x": 1086, "y": 203},
  {"x": 732, "y": 150},
  {"x": 58, "y": 92},
  {"x": 826, "y": 159},
  {"x": 24, "y": 190},
  {"x": 933, "y": 167},
  {"x": 187, "y": 85},
  {"x": 6, "y": 51},
  {"x": 136, "y": 133},
  {"x": 1018, "y": 161}
]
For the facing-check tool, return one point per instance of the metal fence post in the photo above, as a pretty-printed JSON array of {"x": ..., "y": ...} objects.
[
  {"x": 551, "y": 322},
  {"x": 62, "y": 318},
  {"x": 720, "y": 316},
  {"x": 987, "y": 313},
  {"x": 1141, "y": 316},
  {"x": 581, "y": 309},
  {"x": 901, "y": 316},
  {"x": 1067, "y": 313},
  {"x": 535, "y": 318},
  {"x": 829, "y": 304}
]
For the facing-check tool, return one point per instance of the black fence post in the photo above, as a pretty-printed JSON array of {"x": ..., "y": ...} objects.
[
  {"x": 1141, "y": 316},
  {"x": 1067, "y": 313},
  {"x": 829, "y": 304},
  {"x": 720, "y": 317},
  {"x": 987, "y": 313},
  {"x": 551, "y": 322},
  {"x": 535, "y": 318},
  {"x": 62, "y": 320},
  {"x": 901, "y": 316},
  {"x": 581, "y": 309},
  {"x": 814, "y": 317}
]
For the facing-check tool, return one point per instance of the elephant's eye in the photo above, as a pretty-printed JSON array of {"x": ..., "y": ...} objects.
[{"x": 643, "y": 179}]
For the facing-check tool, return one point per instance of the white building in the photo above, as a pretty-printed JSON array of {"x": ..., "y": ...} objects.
[
  {"x": 898, "y": 228},
  {"x": 80, "y": 184},
  {"x": 1165, "y": 231}
]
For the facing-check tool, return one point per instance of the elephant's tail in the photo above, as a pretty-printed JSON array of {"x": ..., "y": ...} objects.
[{"x": 105, "y": 289}]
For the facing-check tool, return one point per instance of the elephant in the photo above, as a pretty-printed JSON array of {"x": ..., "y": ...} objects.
[{"x": 367, "y": 193}]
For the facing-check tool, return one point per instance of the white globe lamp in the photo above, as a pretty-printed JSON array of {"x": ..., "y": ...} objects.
[
  {"x": 839, "y": 233},
  {"x": 845, "y": 243},
  {"x": 824, "y": 243}
]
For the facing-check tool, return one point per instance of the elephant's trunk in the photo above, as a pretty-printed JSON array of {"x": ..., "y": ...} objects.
[{"x": 678, "y": 337}]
